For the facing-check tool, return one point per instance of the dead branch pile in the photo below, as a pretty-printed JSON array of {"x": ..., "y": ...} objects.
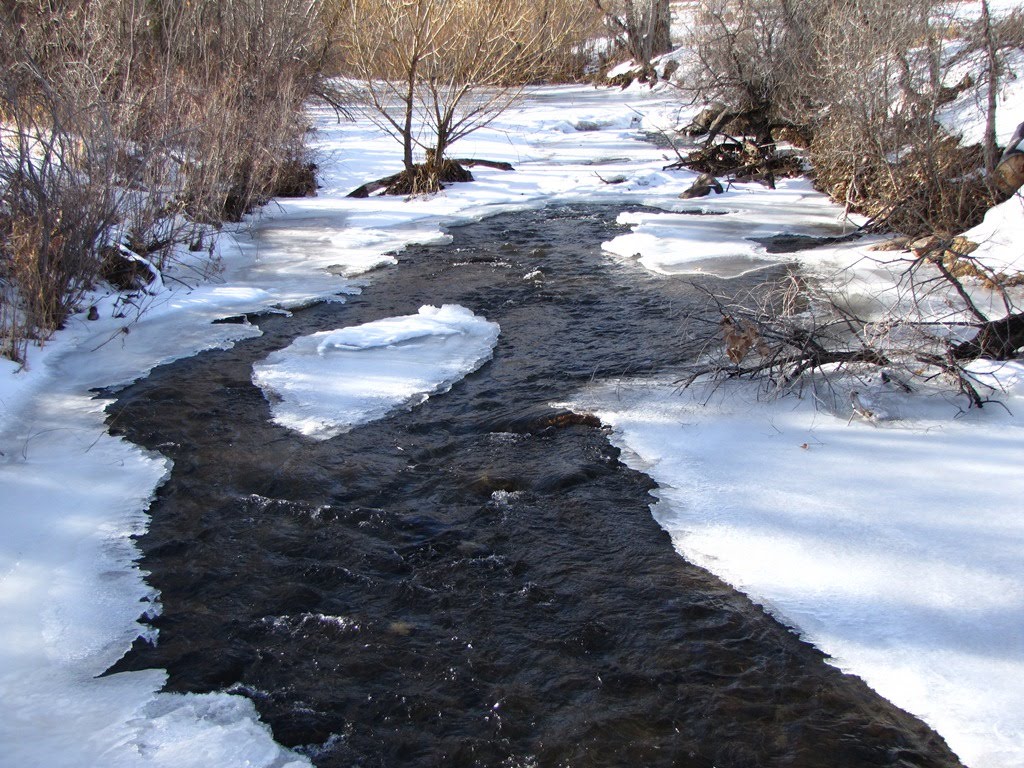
[
  {"x": 742, "y": 160},
  {"x": 792, "y": 331}
]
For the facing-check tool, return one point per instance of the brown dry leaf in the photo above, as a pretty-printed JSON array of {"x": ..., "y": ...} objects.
[
  {"x": 925, "y": 245},
  {"x": 738, "y": 339},
  {"x": 961, "y": 246}
]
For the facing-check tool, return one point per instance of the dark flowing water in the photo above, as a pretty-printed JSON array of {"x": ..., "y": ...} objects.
[{"x": 478, "y": 581}]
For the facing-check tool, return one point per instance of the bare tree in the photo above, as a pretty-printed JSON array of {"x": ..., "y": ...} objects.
[
  {"x": 147, "y": 121},
  {"x": 55, "y": 204},
  {"x": 433, "y": 71},
  {"x": 992, "y": 67},
  {"x": 860, "y": 83},
  {"x": 643, "y": 27}
]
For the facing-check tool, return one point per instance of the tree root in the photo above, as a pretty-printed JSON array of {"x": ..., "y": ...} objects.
[{"x": 425, "y": 178}]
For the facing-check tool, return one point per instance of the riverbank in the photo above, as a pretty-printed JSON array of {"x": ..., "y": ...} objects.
[{"x": 71, "y": 595}]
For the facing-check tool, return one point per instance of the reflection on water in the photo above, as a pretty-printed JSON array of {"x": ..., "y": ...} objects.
[{"x": 477, "y": 581}]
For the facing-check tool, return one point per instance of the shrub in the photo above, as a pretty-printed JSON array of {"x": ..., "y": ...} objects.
[
  {"x": 864, "y": 80},
  {"x": 146, "y": 118},
  {"x": 53, "y": 214}
]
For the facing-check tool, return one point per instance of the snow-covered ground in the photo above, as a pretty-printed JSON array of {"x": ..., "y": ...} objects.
[
  {"x": 893, "y": 546},
  {"x": 896, "y": 548}
]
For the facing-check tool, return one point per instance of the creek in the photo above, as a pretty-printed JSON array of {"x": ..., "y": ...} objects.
[{"x": 477, "y": 581}]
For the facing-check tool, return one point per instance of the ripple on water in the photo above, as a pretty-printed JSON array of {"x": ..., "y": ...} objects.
[{"x": 476, "y": 581}]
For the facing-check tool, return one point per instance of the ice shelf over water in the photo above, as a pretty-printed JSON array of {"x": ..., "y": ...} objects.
[
  {"x": 894, "y": 546},
  {"x": 326, "y": 383}
]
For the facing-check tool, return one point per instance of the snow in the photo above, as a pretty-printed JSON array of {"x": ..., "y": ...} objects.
[
  {"x": 715, "y": 235},
  {"x": 965, "y": 117},
  {"x": 1000, "y": 236},
  {"x": 893, "y": 546},
  {"x": 326, "y": 383}
]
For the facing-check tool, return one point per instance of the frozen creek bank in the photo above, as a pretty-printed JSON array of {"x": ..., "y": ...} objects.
[
  {"x": 72, "y": 497},
  {"x": 474, "y": 579}
]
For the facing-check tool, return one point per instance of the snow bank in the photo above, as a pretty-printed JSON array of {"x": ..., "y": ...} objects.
[
  {"x": 326, "y": 383},
  {"x": 966, "y": 115},
  {"x": 72, "y": 598},
  {"x": 895, "y": 548},
  {"x": 1000, "y": 237},
  {"x": 715, "y": 235}
]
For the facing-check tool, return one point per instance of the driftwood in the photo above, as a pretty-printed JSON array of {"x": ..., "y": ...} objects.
[
  {"x": 774, "y": 339},
  {"x": 470, "y": 162},
  {"x": 426, "y": 179},
  {"x": 370, "y": 187},
  {"x": 1009, "y": 174},
  {"x": 719, "y": 119},
  {"x": 702, "y": 187},
  {"x": 741, "y": 160}
]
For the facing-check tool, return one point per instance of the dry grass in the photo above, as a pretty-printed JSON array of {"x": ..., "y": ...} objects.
[
  {"x": 934, "y": 188},
  {"x": 142, "y": 118}
]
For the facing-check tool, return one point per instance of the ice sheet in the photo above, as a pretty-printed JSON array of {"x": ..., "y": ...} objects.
[
  {"x": 894, "y": 547},
  {"x": 715, "y": 235},
  {"x": 326, "y": 383}
]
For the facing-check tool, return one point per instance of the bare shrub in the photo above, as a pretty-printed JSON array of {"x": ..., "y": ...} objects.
[
  {"x": 640, "y": 27},
  {"x": 754, "y": 56},
  {"x": 53, "y": 214},
  {"x": 861, "y": 81},
  {"x": 181, "y": 114}
]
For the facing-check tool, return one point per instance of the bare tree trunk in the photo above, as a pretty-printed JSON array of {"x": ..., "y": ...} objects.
[
  {"x": 991, "y": 153},
  {"x": 645, "y": 26},
  {"x": 998, "y": 339},
  {"x": 661, "y": 27},
  {"x": 407, "y": 126}
]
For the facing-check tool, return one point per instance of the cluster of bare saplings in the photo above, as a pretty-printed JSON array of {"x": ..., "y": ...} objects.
[
  {"x": 131, "y": 127},
  {"x": 859, "y": 86}
]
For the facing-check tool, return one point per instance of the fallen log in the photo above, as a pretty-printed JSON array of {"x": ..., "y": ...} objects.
[
  {"x": 996, "y": 339},
  {"x": 370, "y": 187},
  {"x": 470, "y": 162},
  {"x": 702, "y": 187}
]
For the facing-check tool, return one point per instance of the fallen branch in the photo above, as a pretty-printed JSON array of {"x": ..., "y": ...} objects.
[
  {"x": 996, "y": 339},
  {"x": 470, "y": 162},
  {"x": 370, "y": 187},
  {"x": 780, "y": 334}
]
